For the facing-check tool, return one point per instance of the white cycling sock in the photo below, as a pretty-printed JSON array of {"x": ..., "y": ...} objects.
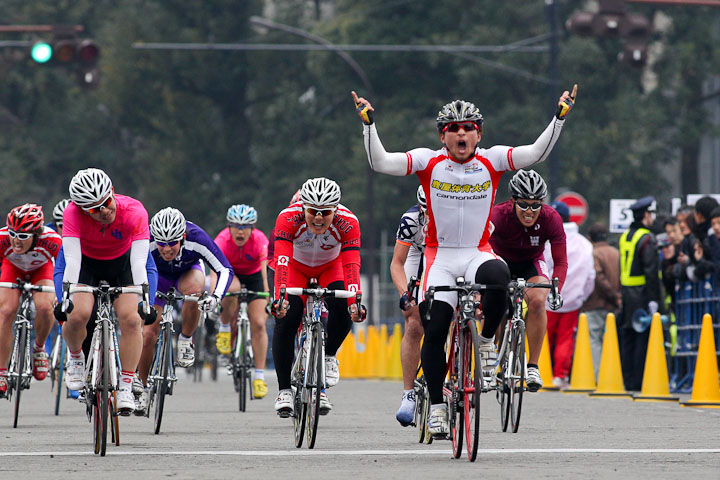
[
  {"x": 183, "y": 337},
  {"x": 437, "y": 406},
  {"x": 259, "y": 374},
  {"x": 38, "y": 348},
  {"x": 486, "y": 340},
  {"x": 224, "y": 328}
]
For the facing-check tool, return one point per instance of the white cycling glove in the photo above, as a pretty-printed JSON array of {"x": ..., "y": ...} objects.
[
  {"x": 555, "y": 301},
  {"x": 209, "y": 303}
]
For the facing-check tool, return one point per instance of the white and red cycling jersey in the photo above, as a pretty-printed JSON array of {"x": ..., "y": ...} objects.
[
  {"x": 300, "y": 254},
  {"x": 39, "y": 258}
]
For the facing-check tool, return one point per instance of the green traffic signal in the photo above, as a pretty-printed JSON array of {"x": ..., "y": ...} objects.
[{"x": 41, "y": 52}]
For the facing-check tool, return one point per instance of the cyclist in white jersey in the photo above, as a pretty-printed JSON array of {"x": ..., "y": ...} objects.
[{"x": 460, "y": 181}]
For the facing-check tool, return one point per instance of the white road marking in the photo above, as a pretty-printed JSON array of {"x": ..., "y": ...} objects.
[{"x": 304, "y": 453}]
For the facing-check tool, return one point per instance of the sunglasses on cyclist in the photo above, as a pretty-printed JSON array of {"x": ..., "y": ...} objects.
[
  {"x": 19, "y": 235},
  {"x": 167, "y": 244},
  {"x": 455, "y": 127},
  {"x": 524, "y": 206},
  {"x": 325, "y": 212},
  {"x": 241, "y": 226},
  {"x": 98, "y": 208}
]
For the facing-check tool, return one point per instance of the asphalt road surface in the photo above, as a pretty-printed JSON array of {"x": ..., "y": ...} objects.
[{"x": 205, "y": 436}]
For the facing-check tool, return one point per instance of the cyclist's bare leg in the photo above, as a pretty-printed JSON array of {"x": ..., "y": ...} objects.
[
  {"x": 44, "y": 318},
  {"x": 131, "y": 341},
  {"x": 230, "y": 305},
  {"x": 9, "y": 300},
  {"x": 74, "y": 331},
  {"x": 536, "y": 320},
  {"x": 258, "y": 332},
  {"x": 190, "y": 282},
  {"x": 150, "y": 335},
  {"x": 410, "y": 346}
]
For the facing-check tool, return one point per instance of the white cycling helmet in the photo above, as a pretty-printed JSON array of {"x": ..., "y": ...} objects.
[
  {"x": 59, "y": 208},
  {"x": 168, "y": 225},
  {"x": 421, "y": 197},
  {"x": 459, "y": 111},
  {"x": 242, "y": 214},
  {"x": 527, "y": 184},
  {"x": 320, "y": 192},
  {"x": 89, "y": 187}
]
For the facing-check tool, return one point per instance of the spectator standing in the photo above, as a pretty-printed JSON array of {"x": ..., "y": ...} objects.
[
  {"x": 640, "y": 288},
  {"x": 605, "y": 297},
  {"x": 579, "y": 284}
]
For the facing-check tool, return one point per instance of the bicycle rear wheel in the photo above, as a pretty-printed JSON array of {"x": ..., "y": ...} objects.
[
  {"x": 20, "y": 366},
  {"x": 471, "y": 388},
  {"x": 162, "y": 382},
  {"x": 426, "y": 415},
  {"x": 517, "y": 367},
  {"x": 455, "y": 409},
  {"x": 314, "y": 384},
  {"x": 114, "y": 420},
  {"x": 420, "y": 417}
]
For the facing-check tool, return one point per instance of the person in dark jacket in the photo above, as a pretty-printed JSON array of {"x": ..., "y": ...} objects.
[{"x": 640, "y": 288}]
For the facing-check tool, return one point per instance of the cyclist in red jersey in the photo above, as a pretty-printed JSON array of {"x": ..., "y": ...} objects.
[
  {"x": 316, "y": 237},
  {"x": 27, "y": 251},
  {"x": 460, "y": 181},
  {"x": 106, "y": 236},
  {"x": 522, "y": 225}
]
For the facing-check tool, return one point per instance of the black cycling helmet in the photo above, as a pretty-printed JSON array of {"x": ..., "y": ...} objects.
[
  {"x": 459, "y": 111},
  {"x": 527, "y": 184}
]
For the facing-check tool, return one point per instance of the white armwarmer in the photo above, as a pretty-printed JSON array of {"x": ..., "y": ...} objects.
[
  {"x": 73, "y": 259},
  {"x": 526, "y": 155},
  {"x": 380, "y": 160},
  {"x": 138, "y": 261}
]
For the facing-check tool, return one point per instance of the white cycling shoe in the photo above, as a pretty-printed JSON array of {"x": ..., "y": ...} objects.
[
  {"x": 75, "y": 373},
  {"x": 438, "y": 423},
  {"x": 125, "y": 402},
  {"x": 186, "y": 353},
  {"x": 284, "y": 403},
  {"x": 332, "y": 371}
]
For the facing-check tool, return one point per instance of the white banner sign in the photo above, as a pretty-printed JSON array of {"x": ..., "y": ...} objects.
[{"x": 620, "y": 214}]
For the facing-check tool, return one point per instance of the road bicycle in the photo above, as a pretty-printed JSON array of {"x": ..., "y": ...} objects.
[
  {"x": 464, "y": 382},
  {"x": 510, "y": 380},
  {"x": 308, "y": 370},
  {"x": 20, "y": 369},
  {"x": 162, "y": 378},
  {"x": 58, "y": 357},
  {"x": 102, "y": 371},
  {"x": 242, "y": 360},
  {"x": 205, "y": 350}
]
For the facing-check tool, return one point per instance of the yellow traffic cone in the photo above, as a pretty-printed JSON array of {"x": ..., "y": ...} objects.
[
  {"x": 656, "y": 384},
  {"x": 372, "y": 345},
  {"x": 394, "y": 359},
  {"x": 582, "y": 375},
  {"x": 382, "y": 355},
  {"x": 344, "y": 357},
  {"x": 545, "y": 366},
  {"x": 360, "y": 354},
  {"x": 610, "y": 379},
  {"x": 705, "y": 392}
]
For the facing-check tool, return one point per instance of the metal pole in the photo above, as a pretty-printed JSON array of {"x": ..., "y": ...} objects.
[{"x": 551, "y": 11}]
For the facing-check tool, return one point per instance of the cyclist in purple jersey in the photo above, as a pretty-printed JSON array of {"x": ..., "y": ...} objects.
[
  {"x": 178, "y": 247},
  {"x": 522, "y": 225}
]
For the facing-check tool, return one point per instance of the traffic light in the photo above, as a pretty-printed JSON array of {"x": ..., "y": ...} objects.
[
  {"x": 67, "y": 49},
  {"x": 41, "y": 52},
  {"x": 613, "y": 21}
]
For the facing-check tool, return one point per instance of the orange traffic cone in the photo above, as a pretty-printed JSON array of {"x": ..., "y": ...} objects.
[
  {"x": 610, "y": 379},
  {"x": 582, "y": 375},
  {"x": 705, "y": 392},
  {"x": 545, "y": 366},
  {"x": 656, "y": 384}
]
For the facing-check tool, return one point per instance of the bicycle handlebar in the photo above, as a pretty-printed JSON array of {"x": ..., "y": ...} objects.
[
  {"x": 249, "y": 293},
  {"x": 28, "y": 287},
  {"x": 323, "y": 292},
  {"x": 521, "y": 284},
  {"x": 174, "y": 296},
  {"x": 111, "y": 290}
]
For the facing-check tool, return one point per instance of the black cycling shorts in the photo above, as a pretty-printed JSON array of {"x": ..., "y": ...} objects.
[
  {"x": 253, "y": 282},
  {"x": 116, "y": 272}
]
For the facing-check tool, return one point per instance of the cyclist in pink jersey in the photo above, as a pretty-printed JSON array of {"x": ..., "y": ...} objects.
[
  {"x": 105, "y": 237},
  {"x": 460, "y": 181},
  {"x": 521, "y": 226},
  {"x": 246, "y": 249}
]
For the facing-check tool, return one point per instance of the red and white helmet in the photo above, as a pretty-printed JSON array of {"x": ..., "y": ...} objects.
[{"x": 27, "y": 218}]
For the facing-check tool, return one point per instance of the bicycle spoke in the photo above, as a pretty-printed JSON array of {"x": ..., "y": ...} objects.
[{"x": 472, "y": 386}]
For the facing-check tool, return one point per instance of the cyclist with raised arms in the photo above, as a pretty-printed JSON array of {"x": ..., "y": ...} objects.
[
  {"x": 246, "y": 248},
  {"x": 407, "y": 262},
  {"x": 27, "y": 251},
  {"x": 460, "y": 181},
  {"x": 178, "y": 246},
  {"x": 522, "y": 225},
  {"x": 105, "y": 237},
  {"x": 319, "y": 238}
]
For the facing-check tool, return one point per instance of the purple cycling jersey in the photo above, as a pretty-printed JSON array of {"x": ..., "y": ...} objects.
[{"x": 516, "y": 243}]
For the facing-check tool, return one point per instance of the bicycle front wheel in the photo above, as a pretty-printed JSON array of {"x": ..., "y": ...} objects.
[
  {"x": 455, "y": 410},
  {"x": 517, "y": 374},
  {"x": 471, "y": 387},
  {"x": 101, "y": 405},
  {"x": 163, "y": 381},
  {"x": 420, "y": 417},
  {"x": 20, "y": 366},
  {"x": 59, "y": 371},
  {"x": 315, "y": 385},
  {"x": 242, "y": 369}
]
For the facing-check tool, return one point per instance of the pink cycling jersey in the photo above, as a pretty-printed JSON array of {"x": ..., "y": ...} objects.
[
  {"x": 105, "y": 242},
  {"x": 247, "y": 259}
]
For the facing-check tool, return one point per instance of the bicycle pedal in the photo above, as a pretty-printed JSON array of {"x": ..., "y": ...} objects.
[{"x": 285, "y": 413}]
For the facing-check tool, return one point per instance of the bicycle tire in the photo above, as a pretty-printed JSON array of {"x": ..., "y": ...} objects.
[
  {"x": 505, "y": 383},
  {"x": 455, "y": 413},
  {"x": 115, "y": 420},
  {"x": 102, "y": 391},
  {"x": 198, "y": 340},
  {"x": 426, "y": 415},
  {"x": 162, "y": 390},
  {"x": 518, "y": 374},
  {"x": 299, "y": 406},
  {"x": 242, "y": 369},
  {"x": 60, "y": 373},
  {"x": 314, "y": 384},
  {"x": 20, "y": 367},
  {"x": 420, "y": 417},
  {"x": 472, "y": 386}
]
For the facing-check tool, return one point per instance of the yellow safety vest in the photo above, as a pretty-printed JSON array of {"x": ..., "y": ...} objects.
[{"x": 627, "y": 254}]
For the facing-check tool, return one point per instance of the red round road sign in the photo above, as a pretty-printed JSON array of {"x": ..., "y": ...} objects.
[{"x": 577, "y": 204}]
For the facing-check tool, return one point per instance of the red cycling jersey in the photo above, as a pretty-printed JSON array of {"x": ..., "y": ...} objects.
[
  {"x": 297, "y": 249},
  {"x": 38, "y": 259}
]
